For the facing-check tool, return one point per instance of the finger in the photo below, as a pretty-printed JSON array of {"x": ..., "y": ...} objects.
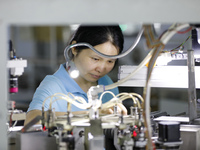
[
  {"x": 106, "y": 111},
  {"x": 110, "y": 111},
  {"x": 118, "y": 110},
  {"x": 123, "y": 108}
]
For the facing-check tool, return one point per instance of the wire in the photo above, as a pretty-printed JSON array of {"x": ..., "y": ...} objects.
[
  {"x": 183, "y": 32},
  {"x": 120, "y": 98},
  {"x": 14, "y": 124},
  {"x": 167, "y": 36},
  {"x": 164, "y": 39},
  {"x": 143, "y": 63},
  {"x": 130, "y": 95},
  {"x": 139, "y": 96},
  {"x": 146, "y": 93},
  {"x": 181, "y": 44},
  {"x": 172, "y": 27},
  {"x": 150, "y": 38},
  {"x": 60, "y": 96},
  {"x": 105, "y": 93},
  {"x": 66, "y": 51}
]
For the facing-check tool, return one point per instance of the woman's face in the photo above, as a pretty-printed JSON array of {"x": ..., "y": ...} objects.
[{"x": 92, "y": 66}]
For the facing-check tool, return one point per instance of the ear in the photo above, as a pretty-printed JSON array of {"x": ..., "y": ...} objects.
[{"x": 74, "y": 51}]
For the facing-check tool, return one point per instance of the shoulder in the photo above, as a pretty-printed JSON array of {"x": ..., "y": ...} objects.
[
  {"x": 49, "y": 86},
  {"x": 50, "y": 83}
]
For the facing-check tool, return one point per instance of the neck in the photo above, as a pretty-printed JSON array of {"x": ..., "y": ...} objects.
[{"x": 85, "y": 85}]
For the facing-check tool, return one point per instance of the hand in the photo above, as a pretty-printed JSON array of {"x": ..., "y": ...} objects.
[{"x": 120, "y": 109}]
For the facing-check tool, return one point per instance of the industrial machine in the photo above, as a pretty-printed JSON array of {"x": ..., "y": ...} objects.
[
  {"x": 141, "y": 129},
  {"x": 16, "y": 68}
]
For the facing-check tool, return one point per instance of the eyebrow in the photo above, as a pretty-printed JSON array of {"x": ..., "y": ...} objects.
[
  {"x": 106, "y": 58},
  {"x": 96, "y": 55}
]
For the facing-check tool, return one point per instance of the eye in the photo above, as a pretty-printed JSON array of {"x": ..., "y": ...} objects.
[
  {"x": 94, "y": 58},
  {"x": 111, "y": 61}
]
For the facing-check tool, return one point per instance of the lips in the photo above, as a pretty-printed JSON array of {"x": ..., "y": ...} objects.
[{"x": 95, "y": 76}]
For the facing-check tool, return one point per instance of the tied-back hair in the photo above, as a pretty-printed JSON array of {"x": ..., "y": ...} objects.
[{"x": 97, "y": 34}]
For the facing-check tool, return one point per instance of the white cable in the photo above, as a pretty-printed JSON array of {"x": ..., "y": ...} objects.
[
  {"x": 123, "y": 97},
  {"x": 66, "y": 51},
  {"x": 168, "y": 35},
  {"x": 130, "y": 95},
  {"x": 144, "y": 62},
  {"x": 84, "y": 105},
  {"x": 139, "y": 96},
  {"x": 105, "y": 93},
  {"x": 164, "y": 39}
]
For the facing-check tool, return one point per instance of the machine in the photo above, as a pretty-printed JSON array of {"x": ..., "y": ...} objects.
[
  {"x": 128, "y": 132},
  {"x": 141, "y": 129}
]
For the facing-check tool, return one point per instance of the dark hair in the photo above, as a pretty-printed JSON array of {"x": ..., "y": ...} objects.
[{"x": 95, "y": 35}]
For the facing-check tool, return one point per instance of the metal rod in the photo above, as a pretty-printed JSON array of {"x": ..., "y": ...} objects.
[{"x": 192, "y": 105}]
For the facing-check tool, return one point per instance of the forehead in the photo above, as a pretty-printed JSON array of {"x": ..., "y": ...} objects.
[{"x": 106, "y": 48}]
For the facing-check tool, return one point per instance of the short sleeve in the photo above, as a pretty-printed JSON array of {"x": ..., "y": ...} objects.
[{"x": 49, "y": 86}]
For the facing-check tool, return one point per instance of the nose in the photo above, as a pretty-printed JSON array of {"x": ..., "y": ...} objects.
[{"x": 101, "y": 67}]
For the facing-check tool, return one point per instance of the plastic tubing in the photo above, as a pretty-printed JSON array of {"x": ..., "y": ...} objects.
[
  {"x": 51, "y": 97},
  {"x": 135, "y": 100},
  {"x": 101, "y": 54},
  {"x": 78, "y": 98},
  {"x": 134, "y": 94},
  {"x": 127, "y": 95},
  {"x": 72, "y": 101},
  {"x": 139, "y": 96},
  {"x": 164, "y": 39},
  {"x": 116, "y": 100},
  {"x": 105, "y": 93},
  {"x": 84, "y": 105},
  {"x": 145, "y": 60},
  {"x": 168, "y": 35}
]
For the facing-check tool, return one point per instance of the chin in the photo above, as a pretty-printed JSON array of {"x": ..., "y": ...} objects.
[{"x": 93, "y": 80}]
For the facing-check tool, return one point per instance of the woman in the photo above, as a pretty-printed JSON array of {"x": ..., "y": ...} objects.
[{"x": 93, "y": 69}]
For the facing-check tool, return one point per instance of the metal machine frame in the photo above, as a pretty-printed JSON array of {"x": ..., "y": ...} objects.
[{"x": 28, "y": 12}]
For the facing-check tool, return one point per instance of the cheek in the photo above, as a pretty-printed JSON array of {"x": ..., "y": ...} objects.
[
  {"x": 110, "y": 67},
  {"x": 84, "y": 65}
]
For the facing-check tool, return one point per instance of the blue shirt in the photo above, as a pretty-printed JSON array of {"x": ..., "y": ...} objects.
[{"x": 61, "y": 82}]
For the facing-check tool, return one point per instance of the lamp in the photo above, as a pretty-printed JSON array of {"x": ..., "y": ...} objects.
[{"x": 72, "y": 70}]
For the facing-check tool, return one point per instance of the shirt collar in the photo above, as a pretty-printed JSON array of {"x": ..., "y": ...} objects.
[{"x": 69, "y": 84}]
